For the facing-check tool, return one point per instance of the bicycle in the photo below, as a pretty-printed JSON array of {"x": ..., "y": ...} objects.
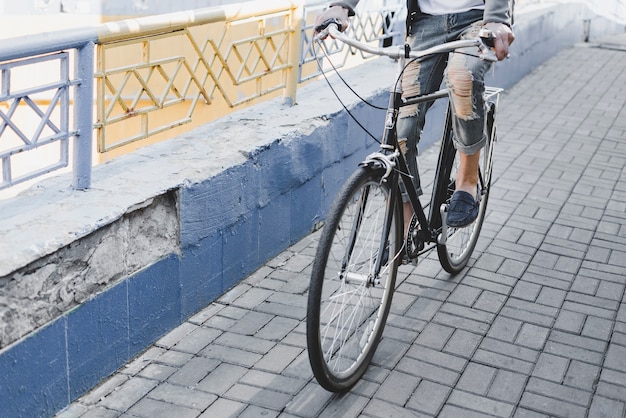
[{"x": 362, "y": 242}]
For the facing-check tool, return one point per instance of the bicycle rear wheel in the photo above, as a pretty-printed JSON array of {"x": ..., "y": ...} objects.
[
  {"x": 456, "y": 249},
  {"x": 349, "y": 299}
]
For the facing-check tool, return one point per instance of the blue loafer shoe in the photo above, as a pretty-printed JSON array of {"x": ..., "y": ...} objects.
[{"x": 463, "y": 210}]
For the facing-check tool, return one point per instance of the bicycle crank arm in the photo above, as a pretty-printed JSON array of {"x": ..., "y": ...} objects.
[{"x": 443, "y": 237}]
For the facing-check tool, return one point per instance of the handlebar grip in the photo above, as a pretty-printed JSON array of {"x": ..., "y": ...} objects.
[
  {"x": 487, "y": 37},
  {"x": 328, "y": 22}
]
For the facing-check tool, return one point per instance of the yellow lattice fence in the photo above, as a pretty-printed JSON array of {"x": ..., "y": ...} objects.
[{"x": 186, "y": 76}]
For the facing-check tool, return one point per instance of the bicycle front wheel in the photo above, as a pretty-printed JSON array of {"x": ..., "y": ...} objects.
[
  {"x": 353, "y": 279},
  {"x": 455, "y": 249}
]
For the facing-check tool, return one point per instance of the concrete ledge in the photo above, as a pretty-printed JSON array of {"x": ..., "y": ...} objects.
[{"x": 89, "y": 279}]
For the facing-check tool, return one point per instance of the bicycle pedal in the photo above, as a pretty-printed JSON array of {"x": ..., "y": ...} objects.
[
  {"x": 409, "y": 261},
  {"x": 406, "y": 260}
]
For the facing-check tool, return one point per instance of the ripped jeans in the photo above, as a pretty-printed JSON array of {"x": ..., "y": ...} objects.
[{"x": 464, "y": 74}]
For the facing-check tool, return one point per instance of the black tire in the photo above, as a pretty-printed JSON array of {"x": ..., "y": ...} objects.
[
  {"x": 348, "y": 306},
  {"x": 461, "y": 242}
]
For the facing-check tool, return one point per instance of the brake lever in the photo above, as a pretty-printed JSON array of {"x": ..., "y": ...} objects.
[
  {"x": 487, "y": 54},
  {"x": 486, "y": 45}
]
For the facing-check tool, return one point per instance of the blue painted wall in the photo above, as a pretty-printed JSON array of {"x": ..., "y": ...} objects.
[
  {"x": 33, "y": 377},
  {"x": 43, "y": 373}
]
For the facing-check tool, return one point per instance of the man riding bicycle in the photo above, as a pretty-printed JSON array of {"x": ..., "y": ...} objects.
[{"x": 430, "y": 23}]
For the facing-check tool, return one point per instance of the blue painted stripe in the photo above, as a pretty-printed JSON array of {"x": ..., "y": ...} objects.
[
  {"x": 97, "y": 335},
  {"x": 43, "y": 373},
  {"x": 33, "y": 374}
]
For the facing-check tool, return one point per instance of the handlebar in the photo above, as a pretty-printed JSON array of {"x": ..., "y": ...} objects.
[{"x": 482, "y": 43}]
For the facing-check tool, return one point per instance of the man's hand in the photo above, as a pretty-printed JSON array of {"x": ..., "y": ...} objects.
[
  {"x": 334, "y": 13},
  {"x": 503, "y": 37}
]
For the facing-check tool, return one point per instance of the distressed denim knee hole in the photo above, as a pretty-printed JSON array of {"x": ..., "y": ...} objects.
[{"x": 460, "y": 84}]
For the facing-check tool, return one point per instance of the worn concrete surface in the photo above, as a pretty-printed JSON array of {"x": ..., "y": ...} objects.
[{"x": 58, "y": 282}]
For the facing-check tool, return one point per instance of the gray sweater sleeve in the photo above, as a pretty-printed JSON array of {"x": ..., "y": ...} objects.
[
  {"x": 499, "y": 11},
  {"x": 348, "y": 4},
  {"x": 495, "y": 10}
]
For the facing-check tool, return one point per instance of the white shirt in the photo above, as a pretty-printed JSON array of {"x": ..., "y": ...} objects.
[{"x": 444, "y": 7}]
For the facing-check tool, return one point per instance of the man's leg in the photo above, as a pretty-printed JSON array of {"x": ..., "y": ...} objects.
[
  {"x": 467, "y": 177},
  {"x": 464, "y": 206},
  {"x": 419, "y": 77},
  {"x": 465, "y": 75}
]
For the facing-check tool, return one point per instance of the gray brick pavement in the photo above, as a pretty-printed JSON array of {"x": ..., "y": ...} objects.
[{"x": 536, "y": 326}]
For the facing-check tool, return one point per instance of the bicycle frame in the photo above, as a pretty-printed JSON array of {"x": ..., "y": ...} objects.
[
  {"x": 389, "y": 158},
  {"x": 396, "y": 166}
]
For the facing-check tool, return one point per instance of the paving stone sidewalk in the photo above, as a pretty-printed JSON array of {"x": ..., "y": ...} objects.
[{"x": 535, "y": 326}]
